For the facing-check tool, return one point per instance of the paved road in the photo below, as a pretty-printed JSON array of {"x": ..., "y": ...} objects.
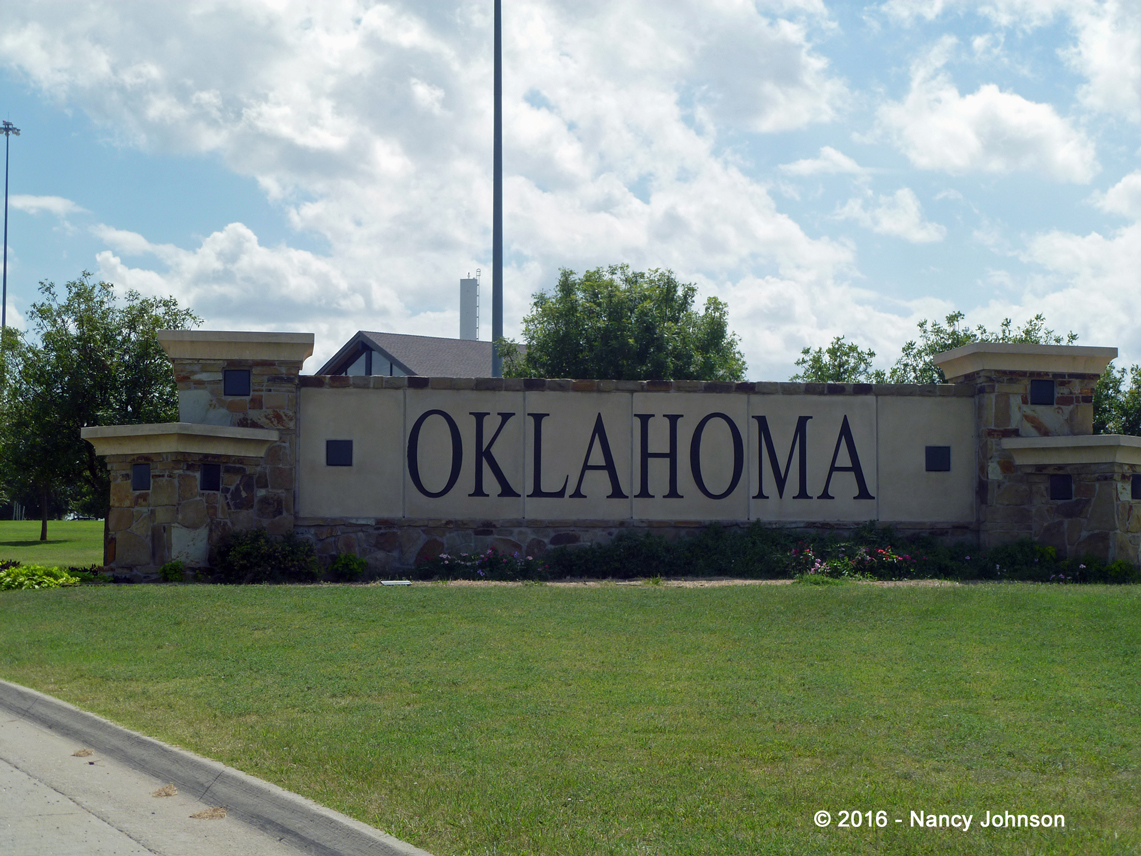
[{"x": 54, "y": 802}]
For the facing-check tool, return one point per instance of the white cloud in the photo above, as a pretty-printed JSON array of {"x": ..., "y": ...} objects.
[
  {"x": 830, "y": 161},
  {"x": 1025, "y": 14},
  {"x": 988, "y": 131},
  {"x": 899, "y": 215},
  {"x": 761, "y": 71},
  {"x": 1108, "y": 53},
  {"x": 1123, "y": 198},
  {"x": 987, "y": 45},
  {"x": 1106, "y": 48},
  {"x": 1089, "y": 285},
  {"x": 56, "y": 205},
  {"x": 370, "y": 126}
]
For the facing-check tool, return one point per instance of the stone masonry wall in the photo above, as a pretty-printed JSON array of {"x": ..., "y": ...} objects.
[
  {"x": 1004, "y": 410},
  {"x": 396, "y": 545},
  {"x": 1101, "y": 519},
  {"x": 272, "y": 403},
  {"x": 175, "y": 519}
]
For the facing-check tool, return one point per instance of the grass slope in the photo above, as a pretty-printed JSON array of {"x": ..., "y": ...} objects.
[
  {"x": 624, "y": 720},
  {"x": 70, "y": 542}
]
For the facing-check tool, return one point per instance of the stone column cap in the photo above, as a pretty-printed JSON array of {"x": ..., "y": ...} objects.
[
  {"x": 1062, "y": 451},
  {"x": 235, "y": 345},
  {"x": 154, "y": 439},
  {"x": 1019, "y": 357}
]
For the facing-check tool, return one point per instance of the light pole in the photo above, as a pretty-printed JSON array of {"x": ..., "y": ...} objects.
[
  {"x": 497, "y": 210},
  {"x": 8, "y": 130}
]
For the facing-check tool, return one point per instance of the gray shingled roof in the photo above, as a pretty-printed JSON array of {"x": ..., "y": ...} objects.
[{"x": 428, "y": 356}]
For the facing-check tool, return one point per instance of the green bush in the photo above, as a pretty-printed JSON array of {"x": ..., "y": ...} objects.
[
  {"x": 90, "y": 574},
  {"x": 172, "y": 572},
  {"x": 348, "y": 568},
  {"x": 253, "y": 556},
  {"x": 761, "y": 552},
  {"x": 13, "y": 575}
]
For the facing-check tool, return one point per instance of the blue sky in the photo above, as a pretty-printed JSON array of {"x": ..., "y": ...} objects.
[{"x": 825, "y": 168}]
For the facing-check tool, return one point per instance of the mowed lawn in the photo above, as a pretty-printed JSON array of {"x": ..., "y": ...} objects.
[
  {"x": 631, "y": 720},
  {"x": 76, "y": 543}
]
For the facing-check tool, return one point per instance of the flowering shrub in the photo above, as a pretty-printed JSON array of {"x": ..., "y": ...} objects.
[
  {"x": 852, "y": 562},
  {"x": 490, "y": 565}
]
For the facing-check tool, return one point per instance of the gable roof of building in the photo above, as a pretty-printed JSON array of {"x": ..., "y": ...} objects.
[{"x": 427, "y": 356}]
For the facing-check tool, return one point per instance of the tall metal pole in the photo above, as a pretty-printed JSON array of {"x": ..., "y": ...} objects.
[
  {"x": 497, "y": 209},
  {"x": 8, "y": 130}
]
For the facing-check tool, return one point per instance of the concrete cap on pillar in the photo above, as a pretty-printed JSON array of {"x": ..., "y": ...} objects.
[
  {"x": 1002, "y": 357},
  {"x": 235, "y": 345},
  {"x": 153, "y": 439}
]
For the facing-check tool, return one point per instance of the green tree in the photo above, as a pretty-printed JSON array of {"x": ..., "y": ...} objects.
[
  {"x": 915, "y": 363},
  {"x": 620, "y": 324},
  {"x": 840, "y": 362},
  {"x": 1116, "y": 402},
  {"x": 89, "y": 359}
]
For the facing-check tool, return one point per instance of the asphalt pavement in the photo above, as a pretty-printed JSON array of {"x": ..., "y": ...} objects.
[{"x": 75, "y": 784}]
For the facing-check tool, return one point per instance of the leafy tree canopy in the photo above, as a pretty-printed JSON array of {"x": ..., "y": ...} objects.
[
  {"x": 88, "y": 359},
  {"x": 1117, "y": 401},
  {"x": 847, "y": 362},
  {"x": 620, "y": 324},
  {"x": 915, "y": 366},
  {"x": 840, "y": 362}
]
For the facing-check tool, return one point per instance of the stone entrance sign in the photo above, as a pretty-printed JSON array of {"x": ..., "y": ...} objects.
[{"x": 393, "y": 469}]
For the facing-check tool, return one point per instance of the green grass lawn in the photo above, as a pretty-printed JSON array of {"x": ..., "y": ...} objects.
[
  {"x": 70, "y": 542},
  {"x": 631, "y": 720}
]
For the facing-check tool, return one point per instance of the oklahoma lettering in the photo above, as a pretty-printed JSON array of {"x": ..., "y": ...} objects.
[{"x": 683, "y": 448}]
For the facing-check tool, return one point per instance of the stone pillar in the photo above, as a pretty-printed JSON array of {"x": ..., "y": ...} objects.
[
  {"x": 1093, "y": 510},
  {"x": 201, "y": 360},
  {"x": 176, "y": 513},
  {"x": 1022, "y": 391}
]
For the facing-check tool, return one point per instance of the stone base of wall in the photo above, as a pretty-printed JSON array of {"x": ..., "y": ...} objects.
[
  {"x": 175, "y": 520},
  {"x": 397, "y": 545},
  {"x": 1101, "y": 520}
]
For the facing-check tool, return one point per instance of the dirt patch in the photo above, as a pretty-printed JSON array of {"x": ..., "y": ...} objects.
[
  {"x": 216, "y": 813},
  {"x": 165, "y": 791},
  {"x": 82, "y": 753},
  {"x": 682, "y": 583},
  {"x": 910, "y": 583}
]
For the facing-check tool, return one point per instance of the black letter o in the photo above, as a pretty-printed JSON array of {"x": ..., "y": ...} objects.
[
  {"x": 414, "y": 454},
  {"x": 738, "y": 456}
]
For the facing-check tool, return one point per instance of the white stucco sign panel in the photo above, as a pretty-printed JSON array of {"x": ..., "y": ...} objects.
[{"x": 465, "y": 454}]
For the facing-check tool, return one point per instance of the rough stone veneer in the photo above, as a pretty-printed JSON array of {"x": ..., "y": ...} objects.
[
  {"x": 395, "y": 545},
  {"x": 175, "y": 519},
  {"x": 199, "y": 359},
  {"x": 1004, "y": 410},
  {"x": 1010, "y": 503},
  {"x": 1101, "y": 520}
]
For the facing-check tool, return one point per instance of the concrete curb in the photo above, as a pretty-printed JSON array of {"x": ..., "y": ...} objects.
[{"x": 299, "y": 821}]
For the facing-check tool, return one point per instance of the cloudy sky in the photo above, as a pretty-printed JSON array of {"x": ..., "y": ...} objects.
[{"x": 825, "y": 168}]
